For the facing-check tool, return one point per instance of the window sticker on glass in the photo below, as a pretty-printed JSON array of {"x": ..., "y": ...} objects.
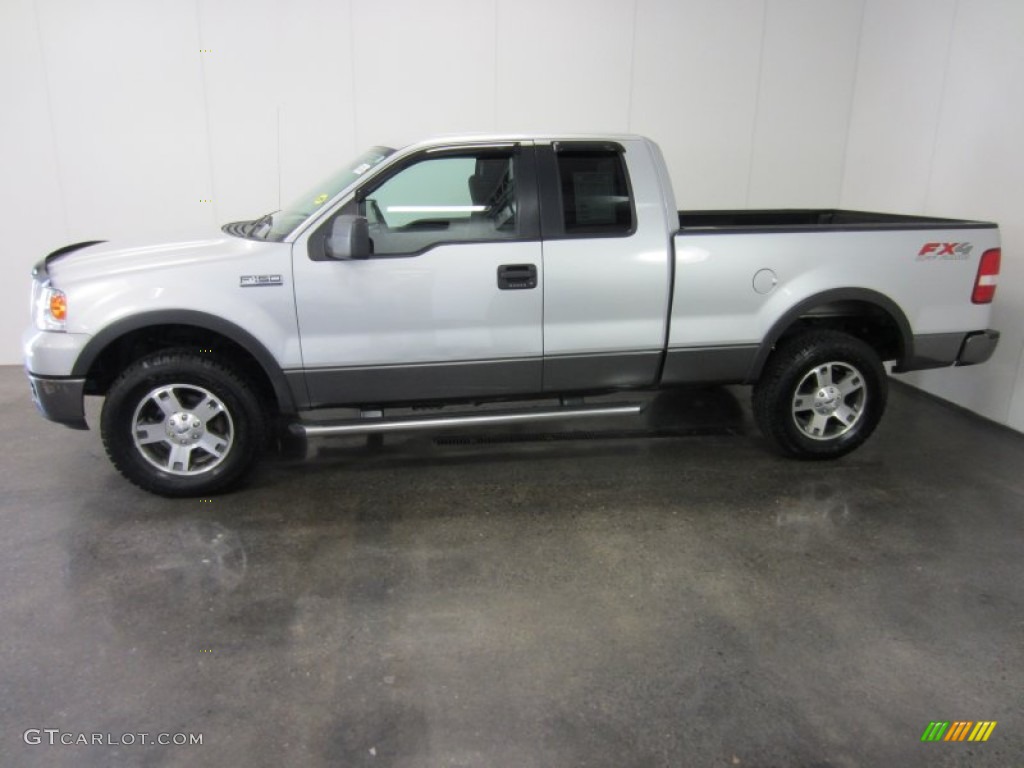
[
  {"x": 595, "y": 197},
  {"x": 436, "y": 208},
  {"x": 359, "y": 170},
  {"x": 320, "y": 199}
]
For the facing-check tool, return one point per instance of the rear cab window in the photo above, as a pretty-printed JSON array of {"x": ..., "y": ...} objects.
[{"x": 585, "y": 191}]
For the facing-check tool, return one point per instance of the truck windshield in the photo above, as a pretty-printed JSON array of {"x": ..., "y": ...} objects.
[{"x": 278, "y": 225}]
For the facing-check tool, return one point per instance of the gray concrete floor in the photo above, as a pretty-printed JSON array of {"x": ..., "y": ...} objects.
[{"x": 683, "y": 598}]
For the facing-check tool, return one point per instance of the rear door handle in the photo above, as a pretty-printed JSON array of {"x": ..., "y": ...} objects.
[{"x": 517, "y": 277}]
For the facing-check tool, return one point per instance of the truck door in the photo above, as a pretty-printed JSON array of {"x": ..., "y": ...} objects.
[
  {"x": 450, "y": 303},
  {"x": 607, "y": 273}
]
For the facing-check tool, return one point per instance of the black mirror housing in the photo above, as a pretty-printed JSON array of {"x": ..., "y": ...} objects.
[{"x": 349, "y": 238}]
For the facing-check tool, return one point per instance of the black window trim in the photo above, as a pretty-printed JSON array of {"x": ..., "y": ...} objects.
[
  {"x": 524, "y": 158},
  {"x": 551, "y": 213}
]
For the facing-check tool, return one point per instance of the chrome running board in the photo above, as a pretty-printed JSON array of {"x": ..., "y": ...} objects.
[{"x": 379, "y": 424}]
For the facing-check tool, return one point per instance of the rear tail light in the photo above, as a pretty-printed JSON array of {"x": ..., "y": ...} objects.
[{"x": 988, "y": 275}]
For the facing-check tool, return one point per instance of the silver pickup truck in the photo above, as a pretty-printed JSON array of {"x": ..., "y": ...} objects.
[{"x": 419, "y": 287}]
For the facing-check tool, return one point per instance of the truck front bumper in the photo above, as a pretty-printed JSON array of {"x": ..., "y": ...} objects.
[
  {"x": 49, "y": 360},
  {"x": 60, "y": 400}
]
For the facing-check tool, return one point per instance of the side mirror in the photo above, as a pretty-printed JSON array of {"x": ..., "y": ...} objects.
[{"x": 349, "y": 238}]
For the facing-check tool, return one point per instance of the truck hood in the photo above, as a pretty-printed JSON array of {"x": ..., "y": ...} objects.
[{"x": 82, "y": 261}]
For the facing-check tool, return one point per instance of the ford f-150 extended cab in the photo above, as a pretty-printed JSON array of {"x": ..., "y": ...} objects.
[{"x": 533, "y": 271}]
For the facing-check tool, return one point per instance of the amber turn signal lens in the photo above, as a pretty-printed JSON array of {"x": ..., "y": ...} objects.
[{"x": 58, "y": 306}]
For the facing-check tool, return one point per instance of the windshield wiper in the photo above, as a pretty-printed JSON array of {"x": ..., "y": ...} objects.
[{"x": 267, "y": 220}]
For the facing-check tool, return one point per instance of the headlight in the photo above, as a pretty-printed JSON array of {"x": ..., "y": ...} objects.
[{"x": 49, "y": 307}]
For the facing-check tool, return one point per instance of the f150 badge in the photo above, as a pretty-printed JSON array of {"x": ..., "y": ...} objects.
[
  {"x": 945, "y": 251},
  {"x": 259, "y": 281}
]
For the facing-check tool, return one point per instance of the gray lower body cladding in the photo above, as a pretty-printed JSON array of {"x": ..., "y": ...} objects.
[
  {"x": 59, "y": 399},
  {"x": 939, "y": 350}
]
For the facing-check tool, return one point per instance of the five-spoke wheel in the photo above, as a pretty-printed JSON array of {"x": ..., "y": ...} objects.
[
  {"x": 821, "y": 394},
  {"x": 183, "y": 429},
  {"x": 182, "y": 423},
  {"x": 829, "y": 400}
]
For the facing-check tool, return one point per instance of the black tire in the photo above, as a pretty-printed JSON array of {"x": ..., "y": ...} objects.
[
  {"x": 180, "y": 423},
  {"x": 821, "y": 395}
]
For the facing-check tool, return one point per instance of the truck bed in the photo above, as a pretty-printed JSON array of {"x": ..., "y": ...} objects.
[{"x": 800, "y": 219}]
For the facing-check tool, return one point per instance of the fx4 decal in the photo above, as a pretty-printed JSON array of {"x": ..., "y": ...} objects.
[{"x": 945, "y": 251}]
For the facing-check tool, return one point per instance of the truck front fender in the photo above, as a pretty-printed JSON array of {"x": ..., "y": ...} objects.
[{"x": 288, "y": 398}]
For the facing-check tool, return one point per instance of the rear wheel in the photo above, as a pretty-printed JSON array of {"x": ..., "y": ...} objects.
[
  {"x": 178, "y": 423},
  {"x": 821, "y": 395}
]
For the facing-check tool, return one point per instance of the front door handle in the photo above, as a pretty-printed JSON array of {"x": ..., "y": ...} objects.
[{"x": 517, "y": 277}]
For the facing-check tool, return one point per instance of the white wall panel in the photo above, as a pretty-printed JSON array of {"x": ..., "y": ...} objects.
[
  {"x": 695, "y": 78},
  {"x": 564, "y": 65},
  {"x": 900, "y": 79},
  {"x": 1016, "y": 415},
  {"x": 278, "y": 86},
  {"x": 978, "y": 172},
  {"x": 123, "y": 80},
  {"x": 803, "y": 107},
  {"x": 423, "y": 69},
  {"x": 240, "y": 63},
  {"x": 315, "y": 93},
  {"x": 30, "y": 196}
]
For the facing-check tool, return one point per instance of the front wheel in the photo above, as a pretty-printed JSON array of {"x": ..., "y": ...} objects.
[
  {"x": 179, "y": 423},
  {"x": 821, "y": 395}
]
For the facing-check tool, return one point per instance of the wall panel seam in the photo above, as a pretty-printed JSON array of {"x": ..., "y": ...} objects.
[
  {"x": 58, "y": 166},
  {"x": 941, "y": 108},
  {"x": 757, "y": 100}
]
